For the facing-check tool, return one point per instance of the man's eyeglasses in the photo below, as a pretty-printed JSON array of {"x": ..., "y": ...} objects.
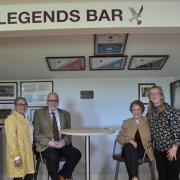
[
  {"x": 154, "y": 94},
  {"x": 52, "y": 101}
]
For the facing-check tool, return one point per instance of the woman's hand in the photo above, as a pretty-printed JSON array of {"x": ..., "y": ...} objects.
[
  {"x": 171, "y": 153},
  {"x": 17, "y": 163},
  {"x": 134, "y": 143}
]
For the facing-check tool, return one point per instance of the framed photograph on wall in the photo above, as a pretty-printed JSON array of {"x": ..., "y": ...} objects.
[
  {"x": 36, "y": 92},
  {"x": 4, "y": 113},
  {"x": 143, "y": 90},
  {"x": 8, "y": 92},
  {"x": 32, "y": 111},
  {"x": 109, "y": 44},
  {"x": 175, "y": 94},
  {"x": 66, "y": 63},
  {"x": 147, "y": 62},
  {"x": 107, "y": 63}
]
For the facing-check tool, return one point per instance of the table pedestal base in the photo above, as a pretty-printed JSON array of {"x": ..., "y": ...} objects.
[{"x": 87, "y": 157}]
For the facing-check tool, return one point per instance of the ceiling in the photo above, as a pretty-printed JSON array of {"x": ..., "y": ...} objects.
[
  {"x": 22, "y": 54},
  {"x": 24, "y": 57}
]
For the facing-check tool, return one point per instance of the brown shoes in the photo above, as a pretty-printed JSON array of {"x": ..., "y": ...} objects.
[{"x": 61, "y": 177}]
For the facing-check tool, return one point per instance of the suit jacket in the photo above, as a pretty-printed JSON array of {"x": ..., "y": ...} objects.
[
  {"x": 43, "y": 132},
  {"x": 128, "y": 132}
]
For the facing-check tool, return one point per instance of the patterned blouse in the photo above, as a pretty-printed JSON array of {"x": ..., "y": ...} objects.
[{"x": 165, "y": 131}]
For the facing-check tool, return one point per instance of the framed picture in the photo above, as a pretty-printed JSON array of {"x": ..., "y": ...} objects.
[
  {"x": 143, "y": 89},
  {"x": 175, "y": 94},
  {"x": 66, "y": 63},
  {"x": 109, "y": 44},
  {"x": 107, "y": 63},
  {"x": 32, "y": 111},
  {"x": 147, "y": 62},
  {"x": 4, "y": 113},
  {"x": 36, "y": 92},
  {"x": 8, "y": 92}
]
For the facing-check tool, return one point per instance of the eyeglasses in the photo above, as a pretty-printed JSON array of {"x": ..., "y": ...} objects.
[
  {"x": 21, "y": 104},
  {"x": 154, "y": 94},
  {"x": 136, "y": 109},
  {"x": 52, "y": 101}
]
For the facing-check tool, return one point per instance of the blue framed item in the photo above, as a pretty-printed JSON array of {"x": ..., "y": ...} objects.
[{"x": 109, "y": 44}]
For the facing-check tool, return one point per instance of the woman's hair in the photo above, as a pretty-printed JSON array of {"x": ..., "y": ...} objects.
[
  {"x": 139, "y": 103},
  {"x": 151, "y": 105},
  {"x": 20, "y": 98}
]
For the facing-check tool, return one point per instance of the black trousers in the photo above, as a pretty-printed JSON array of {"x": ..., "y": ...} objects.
[
  {"x": 131, "y": 156},
  {"x": 52, "y": 157},
  {"x": 167, "y": 170},
  {"x": 27, "y": 177}
]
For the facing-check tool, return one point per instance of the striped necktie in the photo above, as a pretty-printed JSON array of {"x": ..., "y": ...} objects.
[{"x": 55, "y": 127}]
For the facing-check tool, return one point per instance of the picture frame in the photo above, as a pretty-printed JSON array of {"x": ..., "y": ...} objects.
[
  {"x": 109, "y": 44},
  {"x": 8, "y": 92},
  {"x": 32, "y": 111},
  {"x": 69, "y": 63},
  {"x": 107, "y": 63},
  {"x": 35, "y": 92},
  {"x": 143, "y": 90},
  {"x": 175, "y": 94},
  {"x": 147, "y": 62},
  {"x": 4, "y": 113}
]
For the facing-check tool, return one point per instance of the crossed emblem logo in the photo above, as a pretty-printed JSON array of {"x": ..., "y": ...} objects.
[{"x": 136, "y": 15}]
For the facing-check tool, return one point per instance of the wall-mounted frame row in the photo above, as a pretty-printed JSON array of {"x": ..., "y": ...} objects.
[
  {"x": 138, "y": 62},
  {"x": 35, "y": 92}
]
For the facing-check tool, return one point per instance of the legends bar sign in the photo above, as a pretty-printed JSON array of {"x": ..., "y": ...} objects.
[{"x": 60, "y": 16}]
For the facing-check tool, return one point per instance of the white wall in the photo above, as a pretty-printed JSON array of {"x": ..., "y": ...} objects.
[{"x": 109, "y": 108}]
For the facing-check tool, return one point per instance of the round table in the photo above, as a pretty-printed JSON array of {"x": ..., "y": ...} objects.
[{"x": 87, "y": 132}]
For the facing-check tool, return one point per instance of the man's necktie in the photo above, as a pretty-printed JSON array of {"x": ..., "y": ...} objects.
[{"x": 55, "y": 127}]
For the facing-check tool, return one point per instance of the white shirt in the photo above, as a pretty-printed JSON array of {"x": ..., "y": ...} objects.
[{"x": 137, "y": 121}]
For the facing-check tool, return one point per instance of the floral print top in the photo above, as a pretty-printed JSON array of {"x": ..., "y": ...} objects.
[{"x": 165, "y": 129}]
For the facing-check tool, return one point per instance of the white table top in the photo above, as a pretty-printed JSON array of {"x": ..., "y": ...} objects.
[{"x": 87, "y": 131}]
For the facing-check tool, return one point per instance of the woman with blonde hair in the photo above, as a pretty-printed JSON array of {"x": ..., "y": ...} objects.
[{"x": 165, "y": 132}]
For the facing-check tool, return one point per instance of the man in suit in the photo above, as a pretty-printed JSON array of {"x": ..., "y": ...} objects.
[{"x": 48, "y": 123}]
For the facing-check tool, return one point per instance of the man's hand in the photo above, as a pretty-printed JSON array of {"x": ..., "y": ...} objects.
[
  {"x": 18, "y": 162},
  {"x": 56, "y": 144},
  {"x": 60, "y": 143},
  {"x": 53, "y": 144}
]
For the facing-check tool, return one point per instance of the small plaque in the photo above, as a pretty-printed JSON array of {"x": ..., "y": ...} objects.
[{"x": 87, "y": 94}]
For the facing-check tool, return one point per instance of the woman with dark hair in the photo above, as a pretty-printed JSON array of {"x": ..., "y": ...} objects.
[
  {"x": 135, "y": 138},
  {"x": 20, "y": 164},
  {"x": 165, "y": 131}
]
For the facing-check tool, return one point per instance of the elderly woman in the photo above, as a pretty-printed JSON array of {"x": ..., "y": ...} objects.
[
  {"x": 135, "y": 138},
  {"x": 18, "y": 143},
  {"x": 165, "y": 131}
]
